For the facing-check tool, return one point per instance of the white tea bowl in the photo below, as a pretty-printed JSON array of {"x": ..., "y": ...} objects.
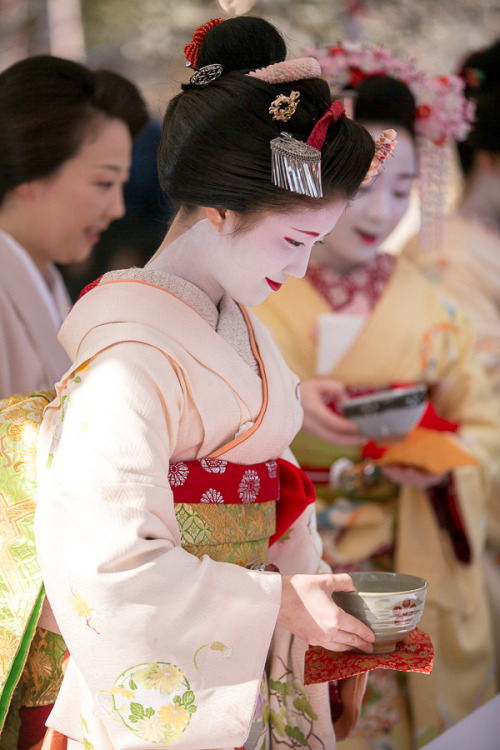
[
  {"x": 387, "y": 414},
  {"x": 391, "y": 604}
]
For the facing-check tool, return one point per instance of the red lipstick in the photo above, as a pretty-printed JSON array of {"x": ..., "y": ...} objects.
[{"x": 274, "y": 284}]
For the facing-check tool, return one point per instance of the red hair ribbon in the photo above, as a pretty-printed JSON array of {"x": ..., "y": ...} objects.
[
  {"x": 334, "y": 112},
  {"x": 192, "y": 50}
]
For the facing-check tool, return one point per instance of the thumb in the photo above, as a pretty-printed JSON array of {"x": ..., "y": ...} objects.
[
  {"x": 342, "y": 582},
  {"x": 332, "y": 387}
]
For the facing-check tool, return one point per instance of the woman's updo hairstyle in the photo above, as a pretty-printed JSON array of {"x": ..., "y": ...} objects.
[
  {"x": 383, "y": 99},
  {"x": 481, "y": 73},
  {"x": 215, "y": 150},
  {"x": 49, "y": 106},
  {"x": 242, "y": 43}
]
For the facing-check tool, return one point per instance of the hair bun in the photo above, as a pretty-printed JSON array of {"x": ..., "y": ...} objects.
[{"x": 481, "y": 69}]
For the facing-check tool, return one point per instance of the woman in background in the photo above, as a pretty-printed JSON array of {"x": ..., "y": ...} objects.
[
  {"x": 468, "y": 262},
  {"x": 415, "y": 515},
  {"x": 65, "y": 148}
]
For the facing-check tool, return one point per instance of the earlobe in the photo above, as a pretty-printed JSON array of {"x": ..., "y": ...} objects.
[
  {"x": 489, "y": 162},
  {"x": 25, "y": 190},
  {"x": 217, "y": 217}
]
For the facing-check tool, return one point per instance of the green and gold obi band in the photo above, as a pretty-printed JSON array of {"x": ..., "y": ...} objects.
[
  {"x": 21, "y": 589},
  {"x": 226, "y": 510}
]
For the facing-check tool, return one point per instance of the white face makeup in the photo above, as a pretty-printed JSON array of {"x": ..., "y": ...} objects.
[
  {"x": 373, "y": 215},
  {"x": 75, "y": 205},
  {"x": 251, "y": 264}
]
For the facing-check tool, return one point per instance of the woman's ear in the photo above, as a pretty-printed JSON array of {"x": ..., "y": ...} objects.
[
  {"x": 217, "y": 217},
  {"x": 489, "y": 162},
  {"x": 25, "y": 190}
]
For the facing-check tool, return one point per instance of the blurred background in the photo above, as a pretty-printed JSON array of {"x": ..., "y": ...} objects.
[{"x": 144, "y": 40}]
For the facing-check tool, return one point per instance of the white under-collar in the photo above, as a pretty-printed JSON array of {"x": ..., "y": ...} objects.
[{"x": 48, "y": 286}]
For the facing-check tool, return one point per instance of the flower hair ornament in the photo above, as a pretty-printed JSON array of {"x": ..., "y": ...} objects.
[
  {"x": 208, "y": 73},
  {"x": 384, "y": 147},
  {"x": 296, "y": 166},
  {"x": 192, "y": 50},
  {"x": 443, "y": 114}
]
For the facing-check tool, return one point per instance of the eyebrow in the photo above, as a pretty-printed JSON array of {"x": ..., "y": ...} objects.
[
  {"x": 304, "y": 231},
  {"x": 113, "y": 167}
]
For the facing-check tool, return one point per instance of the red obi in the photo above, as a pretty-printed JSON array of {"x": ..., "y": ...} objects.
[{"x": 215, "y": 480}]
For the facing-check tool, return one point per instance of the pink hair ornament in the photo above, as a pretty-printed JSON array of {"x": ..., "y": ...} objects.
[{"x": 289, "y": 70}]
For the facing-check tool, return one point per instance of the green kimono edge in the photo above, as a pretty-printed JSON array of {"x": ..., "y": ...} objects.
[
  {"x": 14, "y": 674},
  {"x": 22, "y": 592}
]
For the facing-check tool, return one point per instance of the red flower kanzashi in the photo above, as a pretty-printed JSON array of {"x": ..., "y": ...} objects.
[{"x": 192, "y": 50}]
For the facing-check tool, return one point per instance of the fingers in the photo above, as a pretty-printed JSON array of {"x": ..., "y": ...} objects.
[
  {"x": 345, "y": 633},
  {"x": 358, "y": 634},
  {"x": 324, "y": 423},
  {"x": 340, "y": 582},
  {"x": 349, "y": 642},
  {"x": 331, "y": 388},
  {"x": 308, "y": 610}
]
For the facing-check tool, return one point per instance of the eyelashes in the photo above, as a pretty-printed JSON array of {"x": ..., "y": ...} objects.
[{"x": 296, "y": 243}]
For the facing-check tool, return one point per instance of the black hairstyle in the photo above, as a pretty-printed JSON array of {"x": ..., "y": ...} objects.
[
  {"x": 48, "y": 105},
  {"x": 481, "y": 73},
  {"x": 244, "y": 42},
  {"x": 215, "y": 149},
  {"x": 385, "y": 99}
]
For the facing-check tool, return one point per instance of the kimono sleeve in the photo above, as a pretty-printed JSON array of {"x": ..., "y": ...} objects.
[
  {"x": 165, "y": 647},
  {"x": 464, "y": 395}
]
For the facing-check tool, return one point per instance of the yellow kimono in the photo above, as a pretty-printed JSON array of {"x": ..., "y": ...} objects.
[
  {"x": 415, "y": 334},
  {"x": 468, "y": 267}
]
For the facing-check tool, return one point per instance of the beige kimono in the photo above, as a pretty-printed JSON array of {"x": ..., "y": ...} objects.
[
  {"x": 32, "y": 309},
  {"x": 167, "y": 648}
]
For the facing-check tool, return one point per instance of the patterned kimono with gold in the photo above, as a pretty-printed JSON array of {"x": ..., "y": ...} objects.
[
  {"x": 172, "y": 638},
  {"x": 410, "y": 334},
  {"x": 468, "y": 267}
]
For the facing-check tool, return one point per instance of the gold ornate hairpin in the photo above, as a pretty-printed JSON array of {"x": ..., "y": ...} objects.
[{"x": 283, "y": 107}]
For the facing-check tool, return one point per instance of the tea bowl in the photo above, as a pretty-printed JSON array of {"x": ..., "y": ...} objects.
[
  {"x": 387, "y": 414},
  {"x": 391, "y": 604}
]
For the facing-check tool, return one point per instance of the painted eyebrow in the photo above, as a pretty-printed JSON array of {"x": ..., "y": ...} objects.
[
  {"x": 113, "y": 167},
  {"x": 303, "y": 231}
]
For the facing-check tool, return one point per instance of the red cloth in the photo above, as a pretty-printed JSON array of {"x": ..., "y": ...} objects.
[
  {"x": 333, "y": 113},
  {"x": 33, "y": 727},
  {"x": 414, "y": 654},
  {"x": 89, "y": 287},
  {"x": 215, "y": 480}
]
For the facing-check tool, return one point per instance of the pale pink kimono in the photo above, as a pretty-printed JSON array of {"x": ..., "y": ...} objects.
[
  {"x": 153, "y": 631},
  {"x": 32, "y": 309}
]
